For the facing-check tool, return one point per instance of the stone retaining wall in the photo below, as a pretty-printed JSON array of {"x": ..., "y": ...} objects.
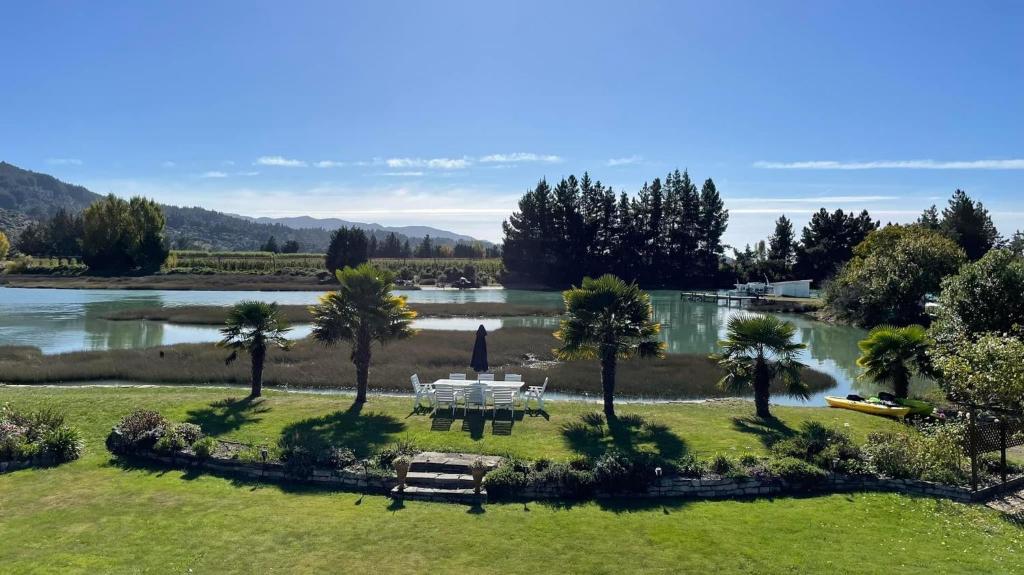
[
  {"x": 6, "y": 466},
  {"x": 730, "y": 488},
  {"x": 704, "y": 488},
  {"x": 274, "y": 472}
]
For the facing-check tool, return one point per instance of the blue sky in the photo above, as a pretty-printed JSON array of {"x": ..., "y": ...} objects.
[{"x": 443, "y": 113}]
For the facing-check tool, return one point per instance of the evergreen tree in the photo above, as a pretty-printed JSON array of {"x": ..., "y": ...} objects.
[
  {"x": 291, "y": 247},
  {"x": 782, "y": 249},
  {"x": 392, "y": 248},
  {"x": 270, "y": 246},
  {"x": 406, "y": 249},
  {"x": 426, "y": 248},
  {"x": 712, "y": 222},
  {"x": 348, "y": 249},
  {"x": 968, "y": 223},
  {"x": 372, "y": 249},
  {"x": 828, "y": 240},
  {"x": 930, "y": 219}
]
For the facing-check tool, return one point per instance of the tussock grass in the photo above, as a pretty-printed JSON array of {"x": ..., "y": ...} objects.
[
  {"x": 431, "y": 354},
  {"x": 215, "y": 315}
]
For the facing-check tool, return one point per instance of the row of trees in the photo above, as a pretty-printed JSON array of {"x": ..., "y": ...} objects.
[
  {"x": 350, "y": 247},
  {"x": 288, "y": 247},
  {"x": 111, "y": 235},
  {"x": 669, "y": 233}
]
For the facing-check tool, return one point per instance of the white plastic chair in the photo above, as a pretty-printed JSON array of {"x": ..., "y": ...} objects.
[
  {"x": 421, "y": 390},
  {"x": 485, "y": 377},
  {"x": 513, "y": 377},
  {"x": 457, "y": 376},
  {"x": 473, "y": 396},
  {"x": 535, "y": 392},
  {"x": 504, "y": 399},
  {"x": 444, "y": 393}
]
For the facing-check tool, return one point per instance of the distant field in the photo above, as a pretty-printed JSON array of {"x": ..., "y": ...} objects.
[{"x": 268, "y": 262}]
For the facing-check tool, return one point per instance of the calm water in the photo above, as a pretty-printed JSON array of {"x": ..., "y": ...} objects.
[{"x": 59, "y": 321}]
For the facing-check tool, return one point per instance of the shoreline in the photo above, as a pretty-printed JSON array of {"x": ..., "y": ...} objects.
[
  {"x": 215, "y": 315},
  {"x": 192, "y": 282}
]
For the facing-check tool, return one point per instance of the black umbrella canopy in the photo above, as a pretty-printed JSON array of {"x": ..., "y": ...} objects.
[{"x": 479, "y": 361}]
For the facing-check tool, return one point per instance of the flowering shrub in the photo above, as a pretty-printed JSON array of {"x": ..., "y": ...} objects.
[{"x": 39, "y": 436}]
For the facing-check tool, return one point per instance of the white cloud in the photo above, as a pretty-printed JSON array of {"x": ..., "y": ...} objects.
[
  {"x": 624, "y": 161},
  {"x": 433, "y": 163},
  {"x": 64, "y": 161},
  {"x": 330, "y": 164},
  {"x": 521, "y": 157},
  {"x": 217, "y": 174},
  {"x": 280, "y": 161},
  {"x": 817, "y": 199},
  {"x": 402, "y": 174},
  {"x": 168, "y": 164},
  {"x": 1011, "y": 164}
]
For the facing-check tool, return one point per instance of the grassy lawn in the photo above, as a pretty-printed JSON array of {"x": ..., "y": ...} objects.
[{"x": 94, "y": 515}]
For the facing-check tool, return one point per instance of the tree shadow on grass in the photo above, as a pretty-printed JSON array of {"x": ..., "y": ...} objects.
[
  {"x": 594, "y": 436},
  {"x": 225, "y": 415},
  {"x": 358, "y": 431},
  {"x": 769, "y": 431}
]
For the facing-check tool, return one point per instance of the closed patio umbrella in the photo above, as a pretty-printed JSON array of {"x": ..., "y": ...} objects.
[{"x": 479, "y": 361}]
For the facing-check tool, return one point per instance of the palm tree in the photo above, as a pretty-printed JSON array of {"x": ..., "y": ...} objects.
[
  {"x": 362, "y": 311},
  {"x": 253, "y": 326},
  {"x": 757, "y": 349},
  {"x": 891, "y": 355},
  {"x": 608, "y": 319}
]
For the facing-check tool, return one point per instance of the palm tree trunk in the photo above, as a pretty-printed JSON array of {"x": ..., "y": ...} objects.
[
  {"x": 258, "y": 355},
  {"x": 901, "y": 385},
  {"x": 608, "y": 361},
  {"x": 361, "y": 358},
  {"x": 762, "y": 383}
]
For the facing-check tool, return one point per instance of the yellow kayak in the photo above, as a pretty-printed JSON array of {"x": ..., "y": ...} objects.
[{"x": 865, "y": 407}]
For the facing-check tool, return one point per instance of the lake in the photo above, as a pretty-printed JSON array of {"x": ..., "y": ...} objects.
[{"x": 58, "y": 320}]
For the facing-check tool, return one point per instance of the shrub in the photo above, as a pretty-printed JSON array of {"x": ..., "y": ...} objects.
[
  {"x": 386, "y": 456},
  {"x": 935, "y": 453},
  {"x": 204, "y": 447},
  {"x": 188, "y": 432},
  {"x": 507, "y": 480},
  {"x": 336, "y": 457},
  {"x": 62, "y": 444},
  {"x": 618, "y": 471},
  {"x": 721, "y": 464},
  {"x": 823, "y": 446},
  {"x": 139, "y": 429},
  {"x": 170, "y": 443},
  {"x": 690, "y": 466},
  {"x": 793, "y": 471},
  {"x": 299, "y": 461}
]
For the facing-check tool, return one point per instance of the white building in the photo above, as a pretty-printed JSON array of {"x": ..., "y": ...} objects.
[{"x": 794, "y": 288}]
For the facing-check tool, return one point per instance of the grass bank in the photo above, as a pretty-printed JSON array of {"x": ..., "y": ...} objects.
[
  {"x": 431, "y": 354},
  {"x": 97, "y": 515},
  {"x": 215, "y": 315}
]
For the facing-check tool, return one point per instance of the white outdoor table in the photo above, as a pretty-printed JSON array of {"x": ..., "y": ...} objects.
[{"x": 461, "y": 384}]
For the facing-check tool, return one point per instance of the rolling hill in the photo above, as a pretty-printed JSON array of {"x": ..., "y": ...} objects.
[{"x": 26, "y": 196}]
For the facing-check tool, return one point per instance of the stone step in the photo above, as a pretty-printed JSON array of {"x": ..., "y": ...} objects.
[
  {"x": 440, "y": 494},
  {"x": 446, "y": 480},
  {"x": 453, "y": 463}
]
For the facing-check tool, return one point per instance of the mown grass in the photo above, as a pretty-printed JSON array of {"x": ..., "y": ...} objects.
[
  {"x": 215, "y": 315},
  {"x": 97, "y": 515},
  {"x": 431, "y": 354}
]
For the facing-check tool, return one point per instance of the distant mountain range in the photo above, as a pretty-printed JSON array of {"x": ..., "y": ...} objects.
[
  {"x": 307, "y": 222},
  {"x": 26, "y": 196}
]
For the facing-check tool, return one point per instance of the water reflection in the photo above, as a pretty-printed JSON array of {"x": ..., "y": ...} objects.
[{"x": 68, "y": 320}]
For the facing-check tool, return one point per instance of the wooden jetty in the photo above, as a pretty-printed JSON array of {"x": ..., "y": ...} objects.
[{"x": 721, "y": 298}]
